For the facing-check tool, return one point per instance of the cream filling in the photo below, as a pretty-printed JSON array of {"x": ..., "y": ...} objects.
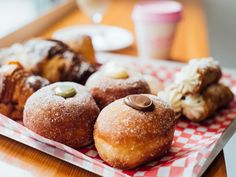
[
  {"x": 116, "y": 73},
  {"x": 204, "y": 62},
  {"x": 173, "y": 97},
  {"x": 188, "y": 78},
  {"x": 117, "y": 69},
  {"x": 194, "y": 107}
]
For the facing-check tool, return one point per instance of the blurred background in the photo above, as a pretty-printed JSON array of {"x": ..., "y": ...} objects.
[
  {"x": 15, "y": 14},
  {"x": 221, "y": 23},
  {"x": 218, "y": 16},
  {"x": 207, "y": 28}
]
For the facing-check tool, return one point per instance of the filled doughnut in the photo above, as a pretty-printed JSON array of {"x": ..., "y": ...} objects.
[
  {"x": 134, "y": 130},
  {"x": 114, "y": 82},
  {"x": 63, "y": 112}
]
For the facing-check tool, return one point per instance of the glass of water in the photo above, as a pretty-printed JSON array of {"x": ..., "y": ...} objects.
[
  {"x": 95, "y": 9},
  {"x": 104, "y": 37}
]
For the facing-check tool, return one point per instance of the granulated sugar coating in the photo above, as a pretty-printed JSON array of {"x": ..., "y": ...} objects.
[
  {"x": 106, "y": 90},
  {"x": 69, "y": 121},
  {"x": 126, "y": 137}
]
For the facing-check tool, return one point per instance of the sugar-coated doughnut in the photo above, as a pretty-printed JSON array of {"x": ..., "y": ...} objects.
[
  {"x": 134, "y": 130},
  {"x": 113, "y": 82},
  {"x": 64, "y": 112}
]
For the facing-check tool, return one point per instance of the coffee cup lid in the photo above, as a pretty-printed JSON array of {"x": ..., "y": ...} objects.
[{"x": 157, "y": 11}]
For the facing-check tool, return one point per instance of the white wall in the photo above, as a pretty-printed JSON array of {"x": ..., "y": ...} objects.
[{"x": 221, "y": 20}]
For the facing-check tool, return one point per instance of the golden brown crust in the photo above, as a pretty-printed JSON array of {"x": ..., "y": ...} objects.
[
  {"x": 51, "y": 59},
  {"x": 15, "y": 89},
  {"x": 126, "y": 138},
  {"x": 216, "y": 96},
  {"x": 63, "y": 64},
  {"x": 197, "y": 75},
  {"x": 209, "y": 75},
  {"x": 82, "y": 45},
  {"x": 69, "y": 121},
  {"x": 106, "y": 90},
  {"x": 201, "y": 106}
]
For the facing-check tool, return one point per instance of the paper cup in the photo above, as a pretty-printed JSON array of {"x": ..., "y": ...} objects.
[{"x": 155, "y": 24}]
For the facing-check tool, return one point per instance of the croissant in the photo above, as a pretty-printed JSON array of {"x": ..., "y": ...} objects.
[
  {"x": 51, "y": 59},
  {"x": 16, "y": 85}
]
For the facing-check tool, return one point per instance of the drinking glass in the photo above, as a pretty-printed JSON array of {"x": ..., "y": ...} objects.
[
  {"x": 95, "y": 9},
  {"x": 104, "y": 37}
]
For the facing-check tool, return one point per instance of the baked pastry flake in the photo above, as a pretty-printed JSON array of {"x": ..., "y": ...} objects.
[
  {"x": 51, "y": 59},
  {"x": 16, "y": 85}
]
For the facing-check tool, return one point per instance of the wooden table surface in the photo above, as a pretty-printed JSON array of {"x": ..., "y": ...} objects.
[{"x": 190, "y": 41}]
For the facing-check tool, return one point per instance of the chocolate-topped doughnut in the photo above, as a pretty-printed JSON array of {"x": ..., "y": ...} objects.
[
  {"x": 128, "y": 134},
  {"x": 139, "y": 102},
  {"x": 113, "y": 82},
  {"x": 64, "y": 112}
]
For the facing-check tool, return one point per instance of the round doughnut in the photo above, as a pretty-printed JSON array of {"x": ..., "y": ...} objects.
[
  {"x": 130, "y": 133},
  {"x": 117, "y": 82},
  {"x": 63, "y": 112}
]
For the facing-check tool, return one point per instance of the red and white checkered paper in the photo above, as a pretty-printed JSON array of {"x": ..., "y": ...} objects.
[{"x": 194, "y": 143}]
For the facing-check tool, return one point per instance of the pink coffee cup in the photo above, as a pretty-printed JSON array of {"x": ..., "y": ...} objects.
[{"x": 155, "y": 23}]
